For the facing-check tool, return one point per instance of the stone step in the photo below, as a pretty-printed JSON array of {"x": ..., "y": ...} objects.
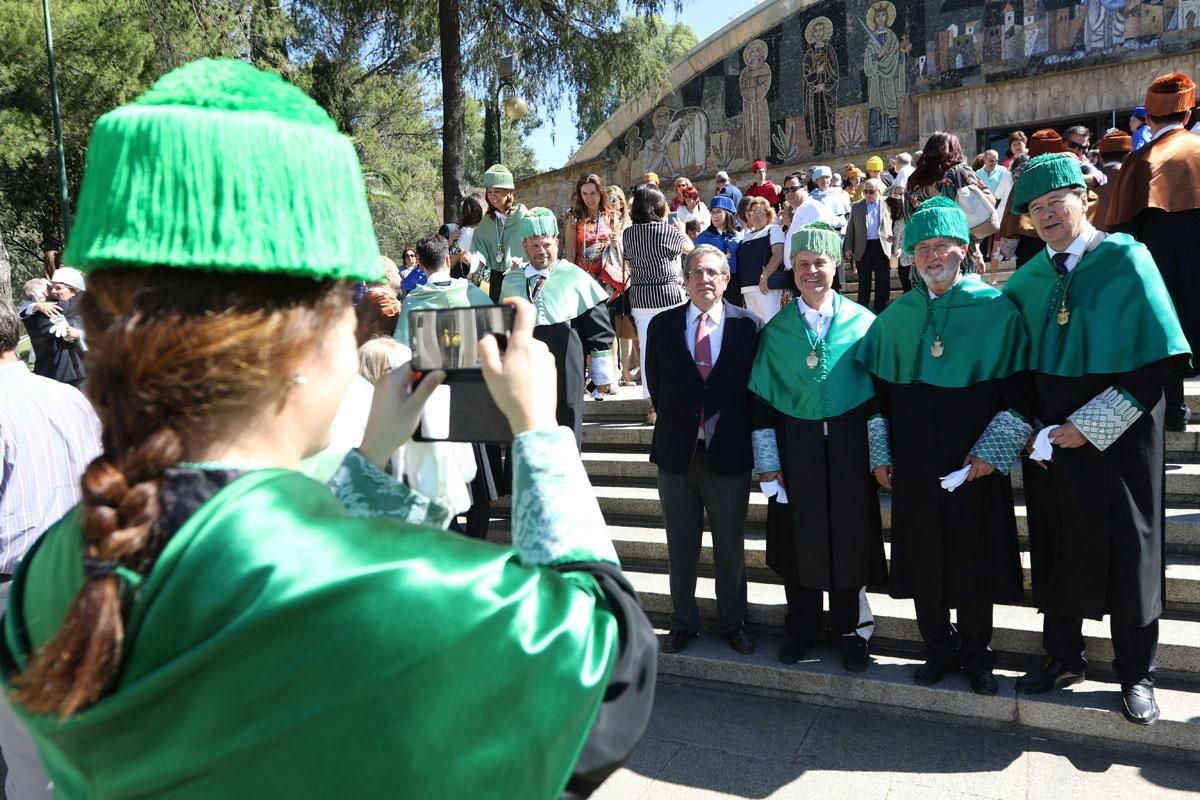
[
  {"x": 1087, "y": 713},
  {"x": 640, "y": 504},
  {"x": 621, "y": 424},
  {"x": 634, "y": 468},
  {"x": 646, "y": 547},
  {"x": 1017, "y": 630}
]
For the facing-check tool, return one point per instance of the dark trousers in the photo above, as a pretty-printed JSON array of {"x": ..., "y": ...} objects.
[
  {"x": 1027, "y": 248},
  {"x": 905, "y": 273},
  {"x": 494, "y": 281},
  {"x": 967, "y": 643},
  {"x": 1177, "y": 410},
  {"x": 849, "y": 613},
  {"x": 685, "y": 498},
  {"x": 874, "y": 267},
  {"x": 1134, "y": 648}
]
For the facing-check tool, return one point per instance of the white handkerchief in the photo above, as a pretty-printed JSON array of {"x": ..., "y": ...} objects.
[
  {"x": 955, "y": 479},
  {"x": 774, "y": 489},
  {"x": 1043, "y": 450}
]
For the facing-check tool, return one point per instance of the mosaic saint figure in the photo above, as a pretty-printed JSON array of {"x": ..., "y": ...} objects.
[
  {"x": 755, "y": 82},
  {"x": 1105, "y": 26},
  {"x": 633, "y": 155},
  {"x": 655, "y": 155},
  {"x": 884, "y": 62},
  {"x": 821, "y": 74}
]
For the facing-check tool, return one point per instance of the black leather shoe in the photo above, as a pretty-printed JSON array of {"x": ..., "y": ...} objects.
[
  {"x": 740, "y": 641},
  {"x": 675, "y": 641},
  {"x": 930, "y": 673},
  {"x": 1053, "y": 675},
  {"x": 983, "y": 681},
  {"x": 792, "y": 651},
  {"x": 1139, "y": 705},
  {"x": 856, "y": 654}
]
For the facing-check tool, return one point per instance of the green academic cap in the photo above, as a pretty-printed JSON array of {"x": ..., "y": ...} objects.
[
  {"x": 937, "y": 216},
  {"x": 1046, "y": 173},
  {"x": 498, "y": 177},
  {"x": 539, "y": 222},
  {"x": 817, "y": 237},
  {"x": 220, "y": 166}
]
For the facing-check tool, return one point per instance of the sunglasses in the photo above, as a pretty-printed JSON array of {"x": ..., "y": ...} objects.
[
  {"x": 1074, "y": 145},
  {"x": 790, "y": 189}
]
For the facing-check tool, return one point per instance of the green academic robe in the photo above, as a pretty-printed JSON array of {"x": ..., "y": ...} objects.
[
  {"x": 290, "y": 642},
  {"x": 810, "y": 423},
  {"x": 1096, "y": 514},
  {"x": 437, "y": 293},
  {"x": 573, "y": 321},
  {"x": 950, "y": 548},
  {"x": 499, "y": 244}
]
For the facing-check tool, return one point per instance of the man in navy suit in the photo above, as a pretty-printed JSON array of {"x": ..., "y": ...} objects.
[{"x": 698, "y": 358}]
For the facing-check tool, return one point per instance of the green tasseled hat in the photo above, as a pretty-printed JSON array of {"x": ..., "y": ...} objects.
[
  {"x": 937, "y": 216},
  {"x": 539, "y": 222},
  {"x": 498, "y": 177},
  {"x": 817, "y": 237},
  {"x": 1046, "y": 173},
  {"x": 221, "y": 166}
]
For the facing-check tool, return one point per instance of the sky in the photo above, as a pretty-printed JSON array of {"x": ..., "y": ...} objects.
[{"x": 555, "y": 140}]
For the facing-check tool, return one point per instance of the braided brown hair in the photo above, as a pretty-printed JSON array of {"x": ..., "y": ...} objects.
[{"x": 176, "y": 357}]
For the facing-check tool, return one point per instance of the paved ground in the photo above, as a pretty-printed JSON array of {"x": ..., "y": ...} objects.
[{"x": 704, "y": 743}]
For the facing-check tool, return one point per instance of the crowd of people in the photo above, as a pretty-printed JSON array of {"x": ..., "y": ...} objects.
[{"x": 198, "y": 390}]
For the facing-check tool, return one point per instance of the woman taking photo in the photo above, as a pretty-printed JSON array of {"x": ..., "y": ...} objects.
[
  {"x": 242, "y": 629},
  {"x": 654, "y": 249},
  {"x": 942, "y": 169},
  {"x": 622, "y": 314},
  {"x": 760, "y": 254}
]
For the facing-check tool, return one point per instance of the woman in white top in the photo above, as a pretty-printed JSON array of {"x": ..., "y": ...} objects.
[
  {"x": 693, "y": 208},
  {"x": 469, "y": 215},
  {"x": 759, "y": 255}
]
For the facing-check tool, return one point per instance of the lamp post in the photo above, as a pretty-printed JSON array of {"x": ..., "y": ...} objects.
[
  {"x": 515, "y": 107},
  {"x": 64, "y": 201}
]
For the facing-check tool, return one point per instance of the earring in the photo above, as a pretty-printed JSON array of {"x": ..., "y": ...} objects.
[{"x": 299, "y": 380}]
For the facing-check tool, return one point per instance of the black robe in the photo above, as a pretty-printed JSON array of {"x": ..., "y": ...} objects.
[
  {"x": 1173, "y": 238},
  {"x": 950, "y": 547},
  {"x": 568, "y": 342},
  {"x": 828, "y": 536},
  {"x": 1097, "y": 520}
]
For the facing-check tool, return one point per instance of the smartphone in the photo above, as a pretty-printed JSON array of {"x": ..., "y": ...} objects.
[
  {"x": 673, "y": 217},
  {"x": 462, "y": 408}
]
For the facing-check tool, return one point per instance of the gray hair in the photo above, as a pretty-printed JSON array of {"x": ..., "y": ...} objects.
[
  {"x": 701, "y": 251},
  {"x": 10, "y": 326},
  {"x": 991, "y": 153},
  {"x": 35, "y": 289},
  {"x": 903, "y": 159},
  {"x": 723, "y": 176},
  {"x": 875, "y": 184}
]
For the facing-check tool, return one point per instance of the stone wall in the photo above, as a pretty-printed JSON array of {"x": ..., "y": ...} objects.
[{"x": 799, "y": 82}]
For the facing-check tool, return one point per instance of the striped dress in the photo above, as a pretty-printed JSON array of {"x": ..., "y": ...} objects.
[{"x": 654, "y": 250}]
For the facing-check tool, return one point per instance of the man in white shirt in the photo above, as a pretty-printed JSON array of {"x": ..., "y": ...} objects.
[
  {"x": 904, "y": 169},
  {"x": 805, "y": 210},
  {"x": 870, "y": 245},
  {"x": 698, "y": 358}
]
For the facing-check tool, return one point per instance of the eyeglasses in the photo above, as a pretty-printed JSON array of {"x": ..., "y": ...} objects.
[
  {"x": 870, "y": 191},
  {"x": 710, "y": 274},
  {"x": 1075, "y": 145},
  {"x": 790, "y": 189},
  {"x": 939, "y": 248}
]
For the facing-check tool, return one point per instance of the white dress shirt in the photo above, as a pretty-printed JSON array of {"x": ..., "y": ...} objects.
[
  {"x": 1075, "y": 249},
  {"x": 818, "y": 319},
  {"x": 872, "y": 221},
  {"x": 716, "y": 330}
]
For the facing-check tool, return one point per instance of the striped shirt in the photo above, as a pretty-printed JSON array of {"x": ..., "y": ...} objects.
[
  {"x": 48, "y": 435},
  {"x": 653, "y": 250}
]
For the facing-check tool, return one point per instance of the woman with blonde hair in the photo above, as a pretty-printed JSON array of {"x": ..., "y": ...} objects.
[
  {"x": 233, "y": 623},
  {"x": 760, "y": 254}
]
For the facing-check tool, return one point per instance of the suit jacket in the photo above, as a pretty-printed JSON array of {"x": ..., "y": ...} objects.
[
  {"x": 678, "y": 392},
  {"x": 856, "y": 230}
]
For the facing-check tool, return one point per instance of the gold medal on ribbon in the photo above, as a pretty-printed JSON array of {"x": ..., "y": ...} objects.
[
  {"x": 1064, "y": 316},
  {"x": 937, "y": 348}
]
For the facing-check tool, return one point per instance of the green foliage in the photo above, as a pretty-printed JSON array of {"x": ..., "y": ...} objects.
[
  {"x": 518, "y": 156},
  {"x": 653, "y": 47}
]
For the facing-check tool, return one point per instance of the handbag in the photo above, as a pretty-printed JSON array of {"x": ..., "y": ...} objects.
[
  {"x": 614, "y": 272},
  {"x": 983, "y": 218}
]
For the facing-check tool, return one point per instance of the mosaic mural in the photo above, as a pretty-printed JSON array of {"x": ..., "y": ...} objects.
[{"x": 842, "y": 75}]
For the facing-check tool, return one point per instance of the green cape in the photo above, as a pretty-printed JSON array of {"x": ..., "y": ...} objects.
[
  {"x": 567, "y": 293},
  {"x": 484, "y": 240},
  {"x": 281, "y": 648},
  {"x": 781, "y": 377},
  {"x": 982, "y": 332},
  {"x": 1121, "y": 315},
  {"x": 458, "y": 293}
]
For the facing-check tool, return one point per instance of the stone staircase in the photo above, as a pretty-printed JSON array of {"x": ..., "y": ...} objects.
[{"x": 616, "y": 446}]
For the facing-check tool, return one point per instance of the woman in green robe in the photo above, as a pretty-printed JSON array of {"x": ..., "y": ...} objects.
[{"x": 209, "y": 622}]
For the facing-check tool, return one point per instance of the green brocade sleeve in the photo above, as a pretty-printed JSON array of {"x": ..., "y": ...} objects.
[{"x": 367, "y": 491}]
